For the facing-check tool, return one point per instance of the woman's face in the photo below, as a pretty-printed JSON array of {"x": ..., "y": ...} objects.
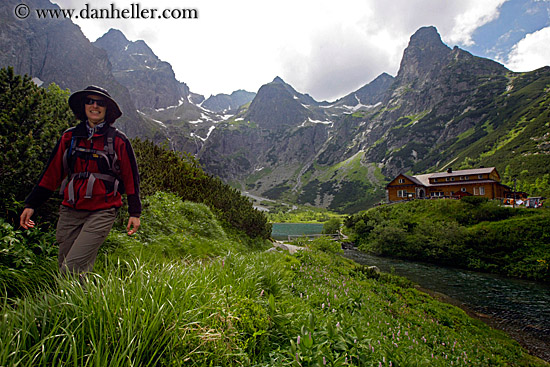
[{"x": 94, "y": 112}]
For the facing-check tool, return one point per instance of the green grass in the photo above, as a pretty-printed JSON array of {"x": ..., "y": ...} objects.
[
  {"x": 172, "y": 228},
  {"x": 303, "y": 215},
  {"x": 158, "y": 306},
  {"x": 256, "y": 309}
]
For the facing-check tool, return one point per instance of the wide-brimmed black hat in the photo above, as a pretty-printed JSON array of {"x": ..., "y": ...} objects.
[{"x": 76, "y": 102}]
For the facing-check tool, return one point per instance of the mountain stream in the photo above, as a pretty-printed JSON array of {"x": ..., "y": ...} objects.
[{"x": 518, "y": 307}]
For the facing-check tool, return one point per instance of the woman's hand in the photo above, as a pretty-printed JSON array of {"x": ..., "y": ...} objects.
[
  {"x": 25, "y": 219},
  {"x": 133, "y": 225}
]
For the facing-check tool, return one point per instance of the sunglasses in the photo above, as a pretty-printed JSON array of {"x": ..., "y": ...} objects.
[{"x": 91, "y": 101}]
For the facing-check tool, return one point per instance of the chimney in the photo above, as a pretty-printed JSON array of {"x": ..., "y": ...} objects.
[{"x": 450, "y": 170}]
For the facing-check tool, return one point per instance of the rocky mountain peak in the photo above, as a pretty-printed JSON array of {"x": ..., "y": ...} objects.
[
  {"x": 370, "y": 94},
  {"x": 115, "y": 42},
  {"x": 424, "y": 54},
  {"x": 223, "y": 102},
  {"x": 275, "y": 106},
  {"x": 152, "y": 82},
  {"x": 426, "y": 36},
  {"x": 114, "y": 37}
]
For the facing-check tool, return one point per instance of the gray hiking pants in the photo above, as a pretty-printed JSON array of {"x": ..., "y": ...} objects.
[{"x": 80, "y": 234}]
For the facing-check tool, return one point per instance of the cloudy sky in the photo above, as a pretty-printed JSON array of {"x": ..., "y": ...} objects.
[{"x": 324, "y": 48}]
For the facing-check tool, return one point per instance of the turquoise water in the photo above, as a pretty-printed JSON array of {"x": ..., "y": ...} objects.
[
  {"x": 280, "y": 231},
  {"x": 519, "y": 307}
]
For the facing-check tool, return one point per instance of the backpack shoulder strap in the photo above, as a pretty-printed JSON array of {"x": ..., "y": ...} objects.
[
  {"x": 67, "y": 167},
  {"x": 110, "y": 136}
]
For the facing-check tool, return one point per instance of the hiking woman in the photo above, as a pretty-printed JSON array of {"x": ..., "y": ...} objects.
[{"x": 94, "y": 164}]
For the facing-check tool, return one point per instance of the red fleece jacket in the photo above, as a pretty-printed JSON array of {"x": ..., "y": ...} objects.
[{"x": 103, "y": 196}]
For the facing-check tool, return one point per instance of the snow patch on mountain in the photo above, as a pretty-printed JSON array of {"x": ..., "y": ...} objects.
[
  {"x": 152, "y": 119},
  {"x": 207, "y": 134}
]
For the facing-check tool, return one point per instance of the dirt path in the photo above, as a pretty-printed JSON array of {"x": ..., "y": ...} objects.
[{"x": 286, "y": 247}]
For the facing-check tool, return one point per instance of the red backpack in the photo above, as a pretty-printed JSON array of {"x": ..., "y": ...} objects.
[{"x": 110, "y": 170}]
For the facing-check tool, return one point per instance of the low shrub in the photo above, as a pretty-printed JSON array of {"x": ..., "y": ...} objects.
[
  {"x": 332, "y": 226},
  {"x": 474, "y": 233},
  {"x": 164, "y": 170},
  {"x": 172, "y": 228},
  {"x": 28, "y": 259},
  {"x": 325, "y": 244}
]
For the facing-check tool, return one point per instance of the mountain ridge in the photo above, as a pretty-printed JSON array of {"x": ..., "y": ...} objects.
[
  {"x": 444, "y": 105},
  {"x": 228, "y": 102}
]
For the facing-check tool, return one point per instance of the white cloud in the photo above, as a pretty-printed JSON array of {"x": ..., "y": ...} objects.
[
  {"x": 473, "y": 16},
  {"x": 344, "y": 52},
  {"x": 321, "y": 47},
  {"x": 532, "y": 52}
]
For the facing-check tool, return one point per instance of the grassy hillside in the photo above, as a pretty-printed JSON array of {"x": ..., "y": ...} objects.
[
  {"x": 472, "y": 233},
  {"x": 515, "y": 137},
  {"x": 187, "y": 293}
]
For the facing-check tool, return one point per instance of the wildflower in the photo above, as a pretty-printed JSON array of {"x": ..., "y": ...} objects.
[
  {"x": 298, "y": 340},
  {"x": 338, "y": 324},
  {"x": 324, "y": 361},
  {"x": 262, "y": 293}
]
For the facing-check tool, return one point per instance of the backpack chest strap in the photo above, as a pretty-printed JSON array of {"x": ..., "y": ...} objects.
[{"x": 96, "y": 153}]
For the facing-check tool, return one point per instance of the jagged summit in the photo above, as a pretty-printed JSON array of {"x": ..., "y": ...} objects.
[
  {"x": 151, "y": 81},
  {"x": 276, "y": 105},
  {"x": 424, "y": 54},
  {"x": 370, "y": 94},
  {"x": 115, "y": 40},
  {"x": 114, "y": 35},
  {"x": 426, "y": 36},
  {"x": 224, "y": 102}
]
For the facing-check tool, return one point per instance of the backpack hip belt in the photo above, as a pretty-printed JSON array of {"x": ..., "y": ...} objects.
[{"x": 91, "y": 177}]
